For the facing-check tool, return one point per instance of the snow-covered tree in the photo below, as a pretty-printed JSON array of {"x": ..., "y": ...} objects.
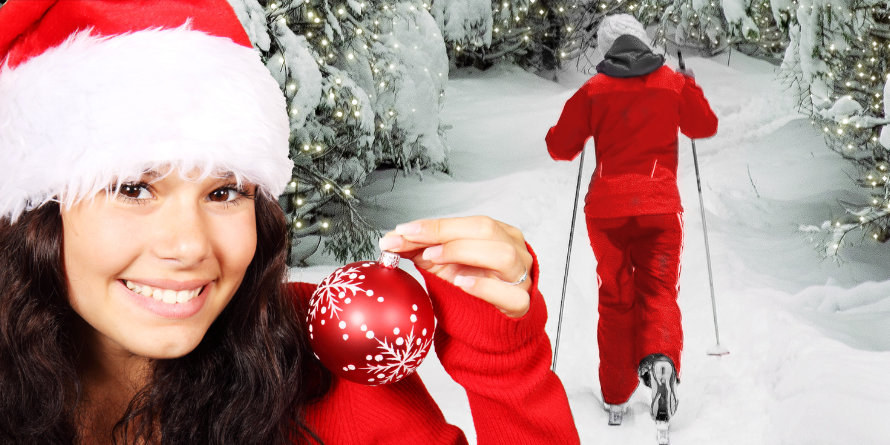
[
  {"x": 756, "y": 26},
  {"x": 527, "y": 32},
  {"x": 769, "y": 35},
  {"x": 689, "y": 23},
  {"x": 364, "y": 83},
  {"x": 699, "y": 24},
  {"x": 838, "y": 62}
]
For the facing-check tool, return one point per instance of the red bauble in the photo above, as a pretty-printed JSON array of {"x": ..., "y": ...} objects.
[{"x": 371, "y": 322}]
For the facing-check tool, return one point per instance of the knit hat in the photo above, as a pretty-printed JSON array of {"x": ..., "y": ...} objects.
[
  {"x": 617, "y": 25},
  {"x": 95, "y": 93}
]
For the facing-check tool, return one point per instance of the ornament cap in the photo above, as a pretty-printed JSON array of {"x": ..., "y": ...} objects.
[{"x": 389, "y": 260}]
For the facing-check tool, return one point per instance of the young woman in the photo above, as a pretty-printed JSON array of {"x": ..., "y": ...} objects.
[{"x": 142, "y": 255}]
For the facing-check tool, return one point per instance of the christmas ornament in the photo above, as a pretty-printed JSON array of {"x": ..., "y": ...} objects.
[{"x": 371, "y": 322}]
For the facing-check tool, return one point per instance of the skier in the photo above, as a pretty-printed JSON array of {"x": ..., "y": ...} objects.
[
  {"x": 143, "y": 145},
  {"x": 633, "y": 108}
]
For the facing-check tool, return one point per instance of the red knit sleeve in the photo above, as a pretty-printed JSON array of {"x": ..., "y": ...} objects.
[
  {"x": 697, "y": 120},
  {"x": 504, "y": 365},
  {"x": 567, "y": 138}
]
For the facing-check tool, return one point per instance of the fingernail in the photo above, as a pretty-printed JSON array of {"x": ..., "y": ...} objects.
[
  {"x": 408, "y": 228},
  {"x": 431, "y": 253},
  {"x": 464, "y": 281},
  {"x": 389, "y": 242}
]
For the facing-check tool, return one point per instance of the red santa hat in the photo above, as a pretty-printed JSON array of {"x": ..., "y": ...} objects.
[{"x": 97, "y": 92}]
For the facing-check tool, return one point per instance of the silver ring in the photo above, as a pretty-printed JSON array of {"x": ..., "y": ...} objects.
[{"x": 520, "y": 280}]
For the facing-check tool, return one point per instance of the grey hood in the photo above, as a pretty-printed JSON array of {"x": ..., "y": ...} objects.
[{"x": 629, "y": 57}]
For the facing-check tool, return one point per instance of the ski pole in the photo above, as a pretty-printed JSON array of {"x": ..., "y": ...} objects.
[
  {"x": 565, "y": 277},
  {"x": 717, "y": 349}
]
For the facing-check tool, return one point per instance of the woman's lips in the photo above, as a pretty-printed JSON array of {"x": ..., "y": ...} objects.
[{"x": 173, "y": 300}]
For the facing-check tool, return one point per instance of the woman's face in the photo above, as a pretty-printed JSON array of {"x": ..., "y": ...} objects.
[{"x": 150, "y": 267}]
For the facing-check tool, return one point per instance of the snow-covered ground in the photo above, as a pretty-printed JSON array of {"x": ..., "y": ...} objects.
[{"x": 809, "y": 338}]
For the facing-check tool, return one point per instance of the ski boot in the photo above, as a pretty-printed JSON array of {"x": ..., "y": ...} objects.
[
  {"x": 657, "y": 372},
  {"x": 616, "y": 413}
]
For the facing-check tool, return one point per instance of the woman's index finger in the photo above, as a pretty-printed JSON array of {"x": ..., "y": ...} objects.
[{"x": 439, "y": 231}]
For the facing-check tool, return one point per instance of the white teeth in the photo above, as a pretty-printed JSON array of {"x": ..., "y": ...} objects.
[
  {"x": 183, "y": 296},
  {"x": 168, "y": 296}
]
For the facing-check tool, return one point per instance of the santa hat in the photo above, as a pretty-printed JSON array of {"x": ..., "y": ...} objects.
[
  {"x": 616, "y": 25},
  {"x": 97, "y": 92}
]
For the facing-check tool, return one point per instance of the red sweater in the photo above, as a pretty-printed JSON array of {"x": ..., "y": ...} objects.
[
  {"x": 634, "y": 123},
  {"x": 502, "y": 363}
]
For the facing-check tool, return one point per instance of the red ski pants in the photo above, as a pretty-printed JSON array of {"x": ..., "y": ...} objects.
[{"x": 638, "y": 270}]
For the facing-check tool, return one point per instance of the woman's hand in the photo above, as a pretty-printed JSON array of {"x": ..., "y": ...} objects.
[{"x": 480, "y": 255}]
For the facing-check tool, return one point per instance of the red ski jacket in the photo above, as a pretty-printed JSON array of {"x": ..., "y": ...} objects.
[{"x": 633, "y": 120}]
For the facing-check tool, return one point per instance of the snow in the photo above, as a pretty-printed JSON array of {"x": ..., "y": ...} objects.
[
  {"x": 297, "y": 73},
  {"x": 842, "y": 109},
  {"x": 422, "y": 73},
  {"x": 735, "y": 13},
  {"x": 464, "y": 21},
  {"x": 809, "y": 337}
]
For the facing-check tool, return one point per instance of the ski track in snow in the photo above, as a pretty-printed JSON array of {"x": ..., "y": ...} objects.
[{"x": 809, "y": 338}]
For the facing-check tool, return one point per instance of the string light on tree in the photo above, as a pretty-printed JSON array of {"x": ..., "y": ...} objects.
[{"x": 342, "y": 127}]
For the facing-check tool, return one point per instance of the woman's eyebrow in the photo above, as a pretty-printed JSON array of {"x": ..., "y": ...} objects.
[{"x": 151, "y": 176}]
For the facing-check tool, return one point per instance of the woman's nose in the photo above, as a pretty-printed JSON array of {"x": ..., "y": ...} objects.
[{"x": 181, "y": 233}]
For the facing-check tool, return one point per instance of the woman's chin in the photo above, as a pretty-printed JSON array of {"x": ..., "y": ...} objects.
[{"x": 163, "y": 349}]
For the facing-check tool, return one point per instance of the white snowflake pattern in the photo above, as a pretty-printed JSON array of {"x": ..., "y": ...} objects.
[
  {"x": 397, "y": 359},
  {"x": 333, "y": 290}
]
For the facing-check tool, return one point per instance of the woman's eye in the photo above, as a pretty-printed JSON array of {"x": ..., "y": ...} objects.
[
  {"x": 225, "y": 194},
  {"x": 134, "y": 191}
]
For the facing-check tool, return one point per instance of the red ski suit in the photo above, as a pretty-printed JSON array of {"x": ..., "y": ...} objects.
[{"x": 633, "y": 109}]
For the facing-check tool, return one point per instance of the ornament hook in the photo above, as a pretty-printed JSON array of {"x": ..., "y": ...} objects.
[{"x": 389, "y": 260}]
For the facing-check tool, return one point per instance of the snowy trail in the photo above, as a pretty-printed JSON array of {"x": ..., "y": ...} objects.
[{"x": 810, "y": 346}]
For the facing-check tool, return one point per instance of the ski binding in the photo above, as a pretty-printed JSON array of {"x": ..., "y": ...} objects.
[
  {"x": 662, "y": 432},
  {"x": 616, "y": 414}
]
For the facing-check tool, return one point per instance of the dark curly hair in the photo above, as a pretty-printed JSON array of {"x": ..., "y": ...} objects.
[{"x": 248, "y": 380}]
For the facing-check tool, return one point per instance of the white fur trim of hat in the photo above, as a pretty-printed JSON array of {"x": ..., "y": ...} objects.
[
  {"x": 616, "y": 25},
  {"x": 96, "y": 111}
]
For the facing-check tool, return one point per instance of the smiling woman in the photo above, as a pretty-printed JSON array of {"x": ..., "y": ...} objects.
[
  {"x": 71, "y": 376},
  {"x": 141, "y": 248},
  {"x": 152, "y": 266},
  {"x": 142, "y": 255}
]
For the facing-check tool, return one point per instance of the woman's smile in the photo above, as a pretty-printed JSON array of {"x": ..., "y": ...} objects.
[
  {"x": 170, "y": 292},
  {"x": 171, "y": 299}
]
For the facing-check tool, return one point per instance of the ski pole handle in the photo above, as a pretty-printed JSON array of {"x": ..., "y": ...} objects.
[{"x": 682, "y": 70}]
